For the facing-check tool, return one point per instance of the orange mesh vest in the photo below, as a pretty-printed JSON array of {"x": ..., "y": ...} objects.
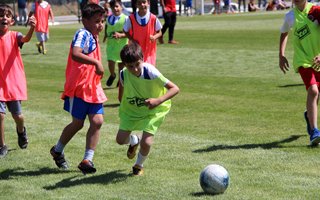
[{"x": 141, "y": 34}]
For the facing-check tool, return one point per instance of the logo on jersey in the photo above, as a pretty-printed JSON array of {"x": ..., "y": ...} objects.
[
  {"x": 302, "y": 32},
  {"x": 136, "y": 101}
]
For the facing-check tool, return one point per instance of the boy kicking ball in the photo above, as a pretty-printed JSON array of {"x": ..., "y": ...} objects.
[{"x": 145, "y": 96}]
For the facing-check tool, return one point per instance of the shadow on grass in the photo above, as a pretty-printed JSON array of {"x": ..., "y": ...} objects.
[
  {"x": 290, "y": 85},
  {"x": 107, "y": 178},
  {"x": 8, "y": 173},
  {"x": 271, "y": 145},
  {"x": 200, "y": 194},
  {"x": 112, "y": 105}
]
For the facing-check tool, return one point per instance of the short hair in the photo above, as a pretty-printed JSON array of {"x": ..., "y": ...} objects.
[
  {"x": 91, "y": 9},
  {"x": 112, "y": 3},
  {"x": 131, "y": 53},
  {"x": 5, "y": 9}
]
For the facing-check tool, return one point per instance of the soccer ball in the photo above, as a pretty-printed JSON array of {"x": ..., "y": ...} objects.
[{"x": 214, "y": 179}]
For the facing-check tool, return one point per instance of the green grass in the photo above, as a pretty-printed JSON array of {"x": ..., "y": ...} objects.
[{"x": 235, "y": 109}]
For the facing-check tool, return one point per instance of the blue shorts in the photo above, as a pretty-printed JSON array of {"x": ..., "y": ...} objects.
[
  {"x": 80, "y": 109},
  {"x": 13, "y": 106}
]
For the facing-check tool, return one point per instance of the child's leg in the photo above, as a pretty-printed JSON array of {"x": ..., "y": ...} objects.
[
  {"x": 69, "y": 131},
  {"x": 312, "y": 106},
  {"x": 19, "y": 120},
  {"x": 2, "y": 142},
  {"x": 145, "y": 146},
  {"x": 93, "y": 133},
  {"x": 111, "y": 66},
  {"x": 123, "y": 137}
]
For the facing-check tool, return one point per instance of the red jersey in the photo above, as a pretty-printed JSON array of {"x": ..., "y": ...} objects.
[
  {"x": 141, "y": 34},
  {"x": 170, "y": 5},
  {"x": 42, "y": 16},
  {"x": 82, "y": 80},
  {"x": 13, "y": 85}
]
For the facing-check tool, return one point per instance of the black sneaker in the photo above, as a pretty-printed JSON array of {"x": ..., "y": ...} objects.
[
  {"x": 3, "y": 151},
  {"x": 110, "y": 80},
  {"x": 59, "y": 159},
  {"x": 87, "y": 167},
  {"x": 23, "y": 139}
]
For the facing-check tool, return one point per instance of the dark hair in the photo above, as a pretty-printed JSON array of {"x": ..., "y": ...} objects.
[
  {"x": 112, "y": 3},
  {"x": 4, "y": 8},
  {"x": 131, "y": 53},
  {"x": 91, "y": 9}
]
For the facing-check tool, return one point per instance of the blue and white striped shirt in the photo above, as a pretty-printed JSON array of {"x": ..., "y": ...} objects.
[{"x": 85, "y": 40}]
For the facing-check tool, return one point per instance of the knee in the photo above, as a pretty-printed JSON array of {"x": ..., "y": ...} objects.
[
  {"x": 18, "y": 118},
  {"x": 146, "y": 144},
  {"x": 121, "y": 140},
  {"x": 313, "y": 91}
]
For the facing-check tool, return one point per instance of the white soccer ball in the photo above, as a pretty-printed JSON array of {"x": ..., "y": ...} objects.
[{"x": 214, "y": 179}]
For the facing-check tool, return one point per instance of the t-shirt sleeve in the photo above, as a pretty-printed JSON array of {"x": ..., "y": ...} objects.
[
  {"x": 158, "y": 25},
  {"x": 127, "y": 25},
  {"x": 288, "y": 22},
  {"x": 19, "y": 39},
  {"x": 84, "y": 40}
]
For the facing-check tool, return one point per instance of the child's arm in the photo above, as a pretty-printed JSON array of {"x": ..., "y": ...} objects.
[
  {"x": 51, "y": 16},
  {"x": 105, "y": 33},
  {"x": 28, "y": 36},
  {"x": 156, "y": 36},
  {"x": 128, "y": 36},
  {"x": 119, "y": 35},
  {"x": 173, "y": 89},
  {"x": 120, "y": 93},
  {"x": 78, "y": 56},
  {"x": 283, "y": 62}
]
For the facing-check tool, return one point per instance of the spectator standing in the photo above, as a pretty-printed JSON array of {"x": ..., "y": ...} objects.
[
  {"x": 22, "y": 11},
  {"x": 244, "y": 5},
  {"x": 170, "y": 18}
]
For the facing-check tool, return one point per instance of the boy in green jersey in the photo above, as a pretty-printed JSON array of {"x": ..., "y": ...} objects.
[
  {"x": 145, "y": 96},
  {"x": 306, "y": 58}
]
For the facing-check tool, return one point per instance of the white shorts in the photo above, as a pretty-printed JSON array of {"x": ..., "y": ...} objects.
[{"x": 42, "y": 37}]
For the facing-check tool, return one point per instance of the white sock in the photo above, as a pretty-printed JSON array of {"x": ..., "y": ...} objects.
[
  {"x": 59, "y": 147},
  {"x": 88, "y": 155},
  {"x": 140, "y": 159},
  {"x": 133, "y": 140}
]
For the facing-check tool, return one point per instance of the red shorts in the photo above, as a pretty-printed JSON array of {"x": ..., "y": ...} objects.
[{"x": 309, "y": 76}]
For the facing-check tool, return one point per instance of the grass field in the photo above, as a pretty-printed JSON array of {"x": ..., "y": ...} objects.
[{"x": 235, "y": 108}]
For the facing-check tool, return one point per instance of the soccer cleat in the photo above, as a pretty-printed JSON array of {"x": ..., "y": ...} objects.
[
  {"x": 307, "y": 121},
  {"x": 3, "y": 151},
  {"x": 173, "y": 42},
  {"x": 314, "y": 137},
  {"x": 39, "y": 47},
  {"x": 161, "y": 40},
  {"x": 59, "y": 159},
  {"x": 110, "y": 80},
  {"x": 87, "y": 167},
  {"x": 44, "y": 52},
  {"x": 137, "y": 170},
  {"x": 131, "y": 153},
  {"x": 23, "y": 139}
]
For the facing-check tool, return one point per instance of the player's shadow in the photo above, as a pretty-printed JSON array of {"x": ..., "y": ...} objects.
[
  {"x": 291, "y": 85},
  {"x": 107, "y": 178},
  {"x": 112, "y": 105},
  {"x": 271, "y": 145},
  {"x": 10, "y": 173}
]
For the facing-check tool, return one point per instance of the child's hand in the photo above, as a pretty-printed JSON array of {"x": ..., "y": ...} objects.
[
  {"x": 116, "y": 35},
  {"x": 283, "y": 64},
  {"x": 152, "y": 102},
  {"x": 316, "y": 63},
  {"x": 32, "y": 21},
  {"x": 99, "y": 69},
  {"x": 152, "y": 38}
]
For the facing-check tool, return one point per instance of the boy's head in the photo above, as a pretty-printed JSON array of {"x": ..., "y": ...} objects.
[
  {"x": 116, "y": 7},
  {"x": 93, "y": 18},
  {"x": 6, "y": 17},
  {"x": 143, "y": 6},
  {"x": 132, "y": 56},
  {"x": 90, "y": 10}
]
